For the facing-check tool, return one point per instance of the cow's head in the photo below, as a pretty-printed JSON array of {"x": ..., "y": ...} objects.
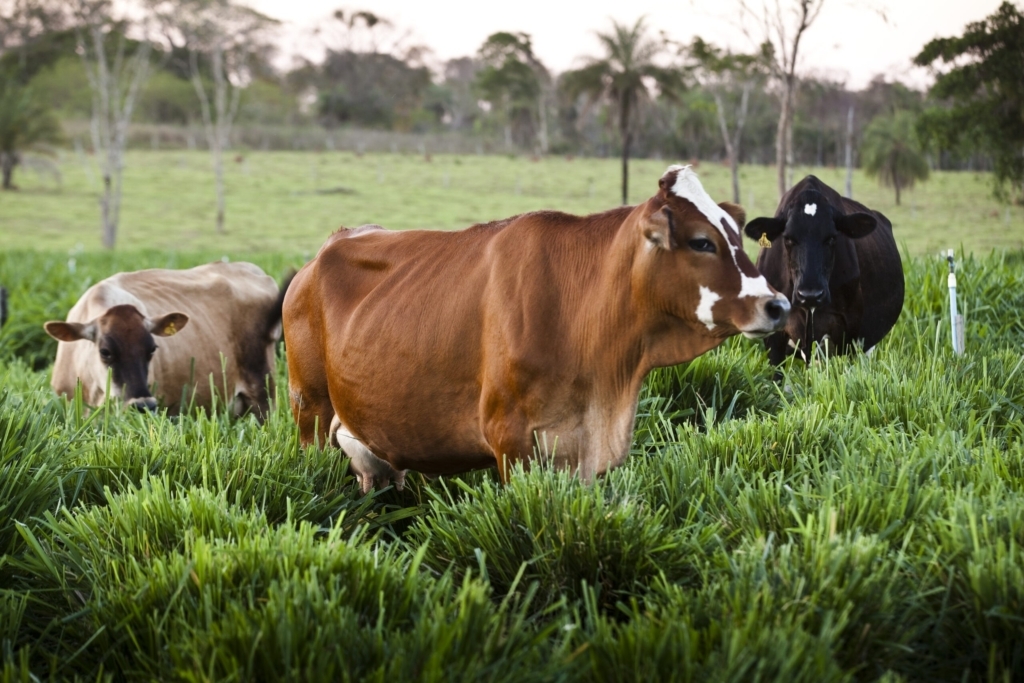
[
  {"x": 809, "y": 233},
  {"x": 124, "y": 342},
  {"x": 694, "y": 266}
]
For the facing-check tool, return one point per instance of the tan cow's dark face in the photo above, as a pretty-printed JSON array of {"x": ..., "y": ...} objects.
[
  {"x": 696, "y": 269},
  {"x": 124, "y": 342}
]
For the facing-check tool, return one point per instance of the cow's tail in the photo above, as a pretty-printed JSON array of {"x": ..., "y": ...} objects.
[
  {"x": 274, "y": 315},
  {"x": 3, "y": 306}
]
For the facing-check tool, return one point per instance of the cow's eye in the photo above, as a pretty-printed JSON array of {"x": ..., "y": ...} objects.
[
  {"x": 829, "y": 241},
  {"x": 149, "y": 354},
  {"x": 790, "y": 242},
  {"x": 105, "y": 354},
  {"x": 702, "y": 244}
]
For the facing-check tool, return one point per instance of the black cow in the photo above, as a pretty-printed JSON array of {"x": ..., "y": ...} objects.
[{"x": 837, "y": 262}]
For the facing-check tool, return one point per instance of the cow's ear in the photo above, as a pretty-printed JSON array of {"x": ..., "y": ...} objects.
[
  {"x": 70, "y": 332},
  {"x": 659, "y": 229},
  {"x": 856, "y": 225},
  {"x": 736, "y": 211},
  {"x": 167, "y": 325},
  {"x": 769, "y": 227}
]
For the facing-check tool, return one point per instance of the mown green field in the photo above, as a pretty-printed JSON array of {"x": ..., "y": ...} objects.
[
  {"x": 863, "y": 520},
  {"x": 290, "y": 201}
]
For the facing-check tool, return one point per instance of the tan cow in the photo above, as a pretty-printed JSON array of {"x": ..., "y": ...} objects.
[
  {"x": 218, "y": 321},
  {"x": 448, "y": 351}
]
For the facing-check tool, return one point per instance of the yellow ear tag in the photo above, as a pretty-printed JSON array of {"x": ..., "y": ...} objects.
[
  {"x": 170, "y": 329},
  {"x": 764, "y": 242}
]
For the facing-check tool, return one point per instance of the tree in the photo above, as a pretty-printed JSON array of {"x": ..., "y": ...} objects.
[
  {"x": 621, "y": 77},
  {"x": 985, "y": 93},
  {"x": 515, "y": 79},
  {"x": 371, "y": 76},
  {"x": 729, "y": 76},
  {"x": 370, "y": 89},
  {"x": 116, "y": 73},
  {"x": 782, "y": 29},
  {"x": 891, "y": 152},
  {"x": 24, "y": 123},
  {"x": 31, "y": 35},
  {"x": 225, "y": 36}
]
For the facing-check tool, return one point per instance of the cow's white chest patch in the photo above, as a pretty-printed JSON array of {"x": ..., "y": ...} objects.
[
  {"x": 810, "y": 209},
  {"x": 707, "y": 301}
]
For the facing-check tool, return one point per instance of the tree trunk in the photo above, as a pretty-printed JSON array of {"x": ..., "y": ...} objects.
[
  {"x": 730, "y": 152},
  {"x": 543, "y": 116},
  {"x": 109, "y": 227},
  {"x": 217, "y": 124},
  {"x": 624, "y": 131},
  {"x": 625, "y": 167},
  {"x": 8, "y": 160},
  {"x": 781, "y": 137},
  {"x": 732, "y": 143},
  {"x": 896, "y": 183},
  {"x": 849, "y": 153},
  {"x": 789, "y": 150},
  {"x": 218, "y": 174},
  {"x": 115, "y": 89}
]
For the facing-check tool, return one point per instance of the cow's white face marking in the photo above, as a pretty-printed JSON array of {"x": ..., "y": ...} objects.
[
  {"x": 688, "y": 187},
  {"x": 754, "y": 286},
  {"x": 707, "y": 300},
  {"x": 810, "y": 209}
]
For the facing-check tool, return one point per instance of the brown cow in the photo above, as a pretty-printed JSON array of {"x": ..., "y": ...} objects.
[
  {"x": 449, "y": 351},
  {"x": 220, "y": 320}
]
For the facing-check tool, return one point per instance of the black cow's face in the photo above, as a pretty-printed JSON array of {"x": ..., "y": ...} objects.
[
  {"x": 125, "y": 344},
  {"x": 808, "y": 235}
]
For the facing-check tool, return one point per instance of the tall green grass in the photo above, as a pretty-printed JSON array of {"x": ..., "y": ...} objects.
[{"x": 861, "y": 520}]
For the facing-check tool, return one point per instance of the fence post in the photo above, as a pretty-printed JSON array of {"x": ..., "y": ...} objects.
[{"x": 956, "y": 321}]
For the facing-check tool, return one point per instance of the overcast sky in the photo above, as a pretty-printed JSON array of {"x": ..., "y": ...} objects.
[{"x": 851, "y": 41}]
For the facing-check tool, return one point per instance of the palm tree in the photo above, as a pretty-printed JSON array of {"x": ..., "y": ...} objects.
[
  {"x": 621, "y": 78},
  {"x": 891, "y": 152}
]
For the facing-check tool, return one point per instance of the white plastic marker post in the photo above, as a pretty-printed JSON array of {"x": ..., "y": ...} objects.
[{"x": 956, "y": 321}]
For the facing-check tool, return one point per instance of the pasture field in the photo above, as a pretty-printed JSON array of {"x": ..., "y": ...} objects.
[
  {"x": 290, "y": 201},
  {"x": 863, "y": 520}
]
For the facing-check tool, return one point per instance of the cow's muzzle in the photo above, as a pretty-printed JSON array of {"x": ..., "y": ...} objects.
[
  {"x": 142, "y": 403},
  {"x": 772, "y": 314},
  {"x": 777, "y": 310},
  {"x": 810, "y": 298}
]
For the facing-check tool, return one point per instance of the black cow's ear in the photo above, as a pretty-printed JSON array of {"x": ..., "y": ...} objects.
[
  {"x": 856, "y": 225},
  {"x": 770, "y": 227}
]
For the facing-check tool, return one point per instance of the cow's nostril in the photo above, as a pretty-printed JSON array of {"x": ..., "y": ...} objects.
[
  {"x": 776, "y": 308},
  {"x": 811, "y": 296}
]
